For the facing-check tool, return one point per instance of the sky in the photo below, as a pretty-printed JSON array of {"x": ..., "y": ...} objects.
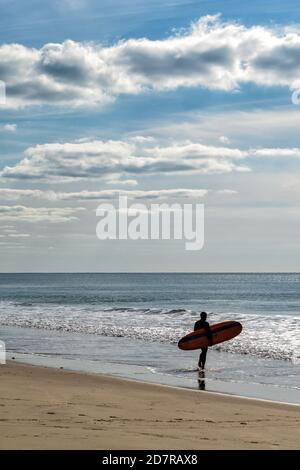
[{"x": 161, "y": 100}]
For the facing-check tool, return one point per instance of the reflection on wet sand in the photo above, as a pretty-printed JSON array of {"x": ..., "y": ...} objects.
[{"x": 201, "y": 380}]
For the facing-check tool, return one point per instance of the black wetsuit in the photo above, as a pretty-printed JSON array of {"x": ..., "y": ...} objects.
[{"x": 203, "y": 324}]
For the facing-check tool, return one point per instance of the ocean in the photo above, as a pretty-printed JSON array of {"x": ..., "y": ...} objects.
[{"x": 129, "y": 325}]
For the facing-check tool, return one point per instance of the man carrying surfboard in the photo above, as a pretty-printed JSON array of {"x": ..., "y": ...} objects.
[
  {"x": 202, "y": 323},
  {"x": 205, "y": 335}
]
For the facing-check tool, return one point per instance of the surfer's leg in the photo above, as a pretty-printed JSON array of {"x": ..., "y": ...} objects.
[
  {"x": 199, "y": 362},
  {"x": 202, "y": 359}
]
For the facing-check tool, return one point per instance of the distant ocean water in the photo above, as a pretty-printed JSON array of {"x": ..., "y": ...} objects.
[{"x": 158, "y": 309}]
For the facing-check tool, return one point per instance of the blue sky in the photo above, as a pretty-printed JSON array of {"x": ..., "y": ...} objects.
[
  {"x": 34, "y": 24},
  {"x": 235, "y": 98}
]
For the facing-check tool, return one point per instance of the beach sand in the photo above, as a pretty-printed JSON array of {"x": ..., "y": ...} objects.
[{"x": 43, "y": 408}]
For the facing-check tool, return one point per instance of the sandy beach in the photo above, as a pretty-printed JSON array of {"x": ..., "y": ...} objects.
[{"x": 43, "y": 408}]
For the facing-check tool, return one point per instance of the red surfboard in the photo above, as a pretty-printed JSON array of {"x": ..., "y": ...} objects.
[{"x": 220, "y": 332}]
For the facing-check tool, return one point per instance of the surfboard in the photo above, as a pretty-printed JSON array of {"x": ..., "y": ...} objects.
[{"x": 220, "y": 332}]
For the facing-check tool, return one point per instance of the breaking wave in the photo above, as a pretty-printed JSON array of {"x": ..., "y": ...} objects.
[{"x": 270, "y": 336}]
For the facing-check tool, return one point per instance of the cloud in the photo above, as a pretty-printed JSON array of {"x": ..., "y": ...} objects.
[
  {"x": 98, "y": 159},
  {"x": 122, "y": 182},
  {"x": 227, "y": 191},
  {"x": 140, "y": 139},
  {"x": 16, "y": 235},
  {"x": 144, "y": 195},
  {"x": 8, "y": 194},
  {"x": 40, "y": 214},
  {"x": 277, "y": 152},
  {"x": 9, "y": 128},
  {"x": 138, "y": 195},
  {"x": 16, "y": 194},
  {"x": 211, "y": 53},
  {"x": 112, "y": 160},
  {"x": 224, "y": 140}
]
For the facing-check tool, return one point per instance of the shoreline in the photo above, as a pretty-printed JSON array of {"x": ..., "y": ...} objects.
[
  {"x": 47, "y": 408},
  {"x": 154, "y": 362},
  {"x": 175, "y": 387}
]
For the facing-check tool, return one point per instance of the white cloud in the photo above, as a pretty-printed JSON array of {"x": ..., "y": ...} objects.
[
  {"x": 99, "y": 159},
  {"x": 116, "y": 162},
  {"x": 227, "y": 191},
  {"x": 9, "y": 128},
  {"x": 144, "y": 195},
  {"x": 40, "y": 214},
  {"x": 140, "y": 139},
  {"x": 8, "y": 194},
  {"x": 17, "y": 194},
  {"x": 224, "y": 140},
  {"x": 122, "y": 182},
  {"x": 277, "y": 152},
  {"x": 211, "y": 54},
  {"x": 18, "y": 235}
]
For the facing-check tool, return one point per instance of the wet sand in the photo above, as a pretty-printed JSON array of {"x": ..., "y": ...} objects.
[{"x": 43, "y": 408}]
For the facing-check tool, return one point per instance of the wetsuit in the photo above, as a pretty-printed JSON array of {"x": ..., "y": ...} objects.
[{"x": 203, "y": 324}]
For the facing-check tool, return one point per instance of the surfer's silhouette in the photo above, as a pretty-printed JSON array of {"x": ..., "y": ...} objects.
[{"x": 202, "y": 323}]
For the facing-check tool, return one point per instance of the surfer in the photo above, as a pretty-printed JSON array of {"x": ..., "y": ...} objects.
[{"x": 202, "y": 323}]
